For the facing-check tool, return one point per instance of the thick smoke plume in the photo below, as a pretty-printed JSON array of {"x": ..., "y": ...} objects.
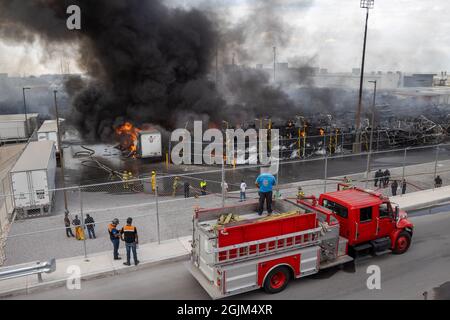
[{"x": 147, "y": 63}]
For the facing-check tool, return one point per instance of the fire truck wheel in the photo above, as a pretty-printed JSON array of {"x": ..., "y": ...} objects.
[
  {"x": 277, "y": 280},
  {"x": 402, "y": 243}
]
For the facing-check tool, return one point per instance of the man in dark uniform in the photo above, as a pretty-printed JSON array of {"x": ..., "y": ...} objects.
[
  {"x": 69, "y": 232},
  {"x": 114, "y": 235},
  {"x": 187, "y": 188},
  {"x": 130, "y": 236},
  {"x": 90, "y": 226}
]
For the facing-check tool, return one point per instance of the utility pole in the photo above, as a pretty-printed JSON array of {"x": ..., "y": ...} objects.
[
  {"x": 274, "y": 64},
  {"x": 364, "y": 4},
  {"x": 369, "y": 156},
  {"x": 26, "y": 115},
  {"x": 217, "y": 66},
  {"x": 61, "y": 153}
]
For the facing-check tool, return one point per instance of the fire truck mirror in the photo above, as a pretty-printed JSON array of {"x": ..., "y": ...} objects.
[{"x": 396, "y": 213}]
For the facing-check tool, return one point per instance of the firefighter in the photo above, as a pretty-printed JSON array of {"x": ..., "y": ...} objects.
[
  {"x": 387, "y": 177},
  {"x": 347, "y": 181},
  {"x": 175, "y": 187},
  {"x": 114, "y": 236},
  {"x": 203, "y": 186},
  {"x": 130, "y": 178},
  {"x": 300, "y": 193},
  {"x": 153, "y": 181},
  {"x": 126, "y": 186}
]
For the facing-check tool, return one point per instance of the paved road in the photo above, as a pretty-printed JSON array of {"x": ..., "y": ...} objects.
[{"x": 424, "y": 267}]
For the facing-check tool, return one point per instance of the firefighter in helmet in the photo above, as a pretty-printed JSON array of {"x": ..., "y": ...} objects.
[
  {"x": 153, "y": 180},
  {"x": 126, "y": 186}
]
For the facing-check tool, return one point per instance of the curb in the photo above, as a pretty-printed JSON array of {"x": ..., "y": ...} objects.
[{"x": 92, "y": 276}]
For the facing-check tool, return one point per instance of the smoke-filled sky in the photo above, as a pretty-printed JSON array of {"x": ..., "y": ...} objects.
[{"x": 406, "y": 35}]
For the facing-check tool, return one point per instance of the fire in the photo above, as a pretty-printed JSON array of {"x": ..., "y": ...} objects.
[
  {"x": 127, "y": 134},
  {"x": 322, "y": 132},
  {"x": 302, "y": 134}
]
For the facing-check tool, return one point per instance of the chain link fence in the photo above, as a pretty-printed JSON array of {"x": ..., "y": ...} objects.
[{"x": 162, "y": 205}]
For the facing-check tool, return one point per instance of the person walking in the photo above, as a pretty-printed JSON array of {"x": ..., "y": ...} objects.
[
  {"x": 69, "y": 232},
  {"x": 90, "y": 226},
  {"x": 187, "y": 188},
  {"x": 265, "y": 183},
  {"x": 394, "y": 187},
  {"x": 438, "y": 182},
  {"x": 114, "y": 236},
  {"x": 130, "y": 236},
  {"x": 243, "y": 188},
  {"x": 79, "y": 232},
  {"x": 404, "y": 185}
]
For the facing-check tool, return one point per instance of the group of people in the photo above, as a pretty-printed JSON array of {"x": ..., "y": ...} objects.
[
  {"x": 129, "y": 235},
  {"x": 89, "y": 224},
  {"x": 382, "y": 178}
]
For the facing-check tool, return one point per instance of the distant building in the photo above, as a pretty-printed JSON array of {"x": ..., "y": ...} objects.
[{"x": 418, "y": 80}]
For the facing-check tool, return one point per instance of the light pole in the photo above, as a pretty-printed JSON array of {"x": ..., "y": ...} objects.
[
  {"x": 25, "y": 110},
  {"x": 61, "y": 156},
  {"x": 274, "y": 64},
  {"x": 372, "y": 128},
  {"x": 364, "y": 4}
]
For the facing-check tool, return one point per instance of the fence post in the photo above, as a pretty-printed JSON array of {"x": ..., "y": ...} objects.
[
  {"x": 82, "y": 223},
  {"x": 368, "y": 168},
  {"x": 404, "y": 164},
  {"x": 223, "y": 183},
  {"x": 326, "y": 175},
  {"x": 435, "y": 166},
  {"x": 157, "y": 213},
  {"x": 343, "y": 142}
]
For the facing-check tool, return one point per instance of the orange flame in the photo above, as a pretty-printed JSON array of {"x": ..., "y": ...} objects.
[
  {"x": 322, "y": 132},
  {"x": 127, "y": 134}
]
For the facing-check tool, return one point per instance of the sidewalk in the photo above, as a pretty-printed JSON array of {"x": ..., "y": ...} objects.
[
  {"x": 99, "y": 265},
  {"x": 422, "y": 199}
]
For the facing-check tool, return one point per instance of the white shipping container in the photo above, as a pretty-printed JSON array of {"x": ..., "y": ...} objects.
[
  {"x": 33, "y": 177},
  {"x": 149, "y": 144},
  {"x": 12, "y": 126},
  {"x": 49, "y": 131}
]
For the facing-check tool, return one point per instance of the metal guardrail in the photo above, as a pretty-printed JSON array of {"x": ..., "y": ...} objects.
[{"x": 37, "y": 268}]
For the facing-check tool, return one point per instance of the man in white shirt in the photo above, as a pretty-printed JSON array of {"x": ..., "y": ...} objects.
[{"x": 243, "y": 189}]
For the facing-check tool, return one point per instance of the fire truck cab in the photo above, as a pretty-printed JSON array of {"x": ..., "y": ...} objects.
[{"x": 370, "y": 222}]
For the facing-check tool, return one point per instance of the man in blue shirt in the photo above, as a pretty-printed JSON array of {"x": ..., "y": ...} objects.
[
  {"x": 114, "y": 235},
  {"x": 265, "y": 183}
]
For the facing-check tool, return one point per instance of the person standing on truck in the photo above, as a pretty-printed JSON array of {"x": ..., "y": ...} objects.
[
  {"x": 394, "y": 187},
  {"x": 114, "y": 236},
  {"x": 90, "y": 226},
  {"x": 69, "y": 232},
  {"x": 130, "y": 236},
  {"x": 265, "y": 183},
  {"x": 243, "y": 188}
]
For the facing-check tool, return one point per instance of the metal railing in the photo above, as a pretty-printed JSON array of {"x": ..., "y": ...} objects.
[{"x": 37, "y": 268}]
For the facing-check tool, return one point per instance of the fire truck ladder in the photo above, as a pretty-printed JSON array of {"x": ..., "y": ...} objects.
[{"x": 264, "y": 247}]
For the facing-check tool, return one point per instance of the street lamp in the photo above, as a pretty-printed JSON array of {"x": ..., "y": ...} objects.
[
  {"x": 372, "y": 128},
  {"x": 364, "y": 4},
  {"x": 61, "y": 155},
  {"x": 25, "y": 110}
]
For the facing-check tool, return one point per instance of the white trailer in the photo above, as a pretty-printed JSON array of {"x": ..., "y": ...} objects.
[
  {"x": 13, "y": 126},
  {"x": 49, "y": 131},
  {"x": 33, "y": 179},
  {"x": 149, "y": 144}
]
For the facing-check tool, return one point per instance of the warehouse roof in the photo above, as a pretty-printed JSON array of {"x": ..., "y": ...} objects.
[
  {"x": 35, "y": 156},
  {"x": 17, "y": 117}
]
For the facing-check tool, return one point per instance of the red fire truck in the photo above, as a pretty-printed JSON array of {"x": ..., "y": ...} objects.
[{"x": 301, "y": 237}]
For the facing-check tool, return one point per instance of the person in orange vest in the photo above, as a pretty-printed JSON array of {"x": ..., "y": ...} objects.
[
  {"x": 130, "y": 236},
  {"x": 114, "y": 236},
  {"x": 153, "y": 181}
]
